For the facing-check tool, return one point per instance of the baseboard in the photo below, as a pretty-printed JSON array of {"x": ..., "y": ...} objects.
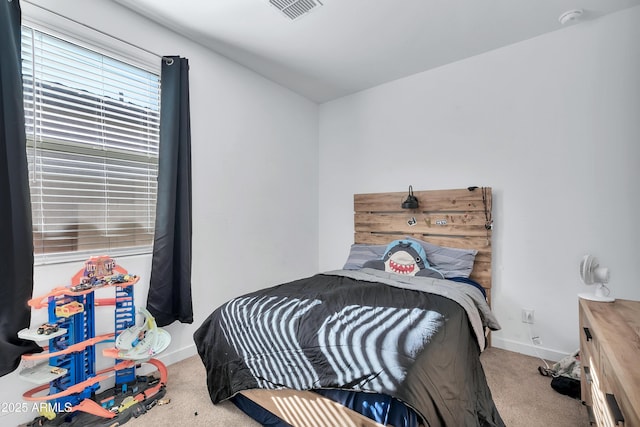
[
  {"x": 528, "y": 349},
  {"x": 180, "y": 354}
]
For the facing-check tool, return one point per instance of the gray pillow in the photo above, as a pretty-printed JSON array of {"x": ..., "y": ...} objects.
[
  {"x": 451, "y": 262},
  {"x": 361, "y": 253}
]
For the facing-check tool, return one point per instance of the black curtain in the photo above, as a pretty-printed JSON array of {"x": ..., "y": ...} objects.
[
  {"x": 169, "y": 296},
  {"x": 16, "y": 244}
]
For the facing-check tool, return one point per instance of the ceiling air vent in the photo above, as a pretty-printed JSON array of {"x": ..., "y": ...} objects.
[{"x": 294, "y": 9}]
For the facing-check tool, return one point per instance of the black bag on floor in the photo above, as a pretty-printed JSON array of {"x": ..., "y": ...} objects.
[{"x": 566, "y": 385}]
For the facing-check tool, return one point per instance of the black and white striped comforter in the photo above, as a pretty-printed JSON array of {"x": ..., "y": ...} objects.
[{"x": 416, "y": 339}]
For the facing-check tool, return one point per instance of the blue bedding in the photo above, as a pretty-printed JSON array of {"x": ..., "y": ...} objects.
[{"x": 378, "y": 407}]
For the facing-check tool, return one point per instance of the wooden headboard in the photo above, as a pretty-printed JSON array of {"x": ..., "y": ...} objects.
[{"x": 459, "y": 218}]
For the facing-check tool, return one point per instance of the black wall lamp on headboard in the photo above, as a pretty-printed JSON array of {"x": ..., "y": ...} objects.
[{"x": 411, "y": 202}]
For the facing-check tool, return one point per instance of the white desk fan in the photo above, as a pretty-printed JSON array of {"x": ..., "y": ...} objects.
[{"x": 591, "y": 273}]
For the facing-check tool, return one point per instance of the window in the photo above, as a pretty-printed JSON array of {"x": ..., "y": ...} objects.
[{"x": 92, "y": 126}]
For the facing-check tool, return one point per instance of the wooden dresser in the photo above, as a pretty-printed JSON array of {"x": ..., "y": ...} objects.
[{"x": 610, "y": 360}]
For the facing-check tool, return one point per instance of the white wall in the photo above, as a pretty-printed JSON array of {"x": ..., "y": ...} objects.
[
  {"x": 254, "y": 148},
  {"x": 552, "y": 124}
]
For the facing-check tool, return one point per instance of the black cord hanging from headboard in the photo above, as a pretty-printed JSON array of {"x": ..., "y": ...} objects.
[
  {"x": 488, "y": 219},
  {"x": 488, "y": 224}
]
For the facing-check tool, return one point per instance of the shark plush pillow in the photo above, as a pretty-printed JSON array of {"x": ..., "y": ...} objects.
[{"x": 405, "y": 257}]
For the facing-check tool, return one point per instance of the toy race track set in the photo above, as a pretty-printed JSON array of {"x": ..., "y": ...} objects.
[{"x": 69, "y": 383}]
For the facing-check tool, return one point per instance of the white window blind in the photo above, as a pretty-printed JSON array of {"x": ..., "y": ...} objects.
[{"x": 92, "y": 126}]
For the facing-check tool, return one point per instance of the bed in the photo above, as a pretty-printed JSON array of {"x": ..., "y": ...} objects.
[{"x": 367, "y": 344}]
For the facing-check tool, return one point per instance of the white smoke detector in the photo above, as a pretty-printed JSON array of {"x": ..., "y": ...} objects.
[
  {"x": 570, "y": 16},
  {"x": 294, "y": 9}
]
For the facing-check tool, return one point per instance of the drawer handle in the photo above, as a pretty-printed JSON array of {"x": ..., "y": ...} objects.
[
  {"x": 591, "y": 415},
  {"x": 615, "y": 409},
  {"x": 587, "y": 374},
  {"x": 587, "y": 333}
]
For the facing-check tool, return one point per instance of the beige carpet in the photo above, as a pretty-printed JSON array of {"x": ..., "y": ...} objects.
[{"x": 524, "y": 398}]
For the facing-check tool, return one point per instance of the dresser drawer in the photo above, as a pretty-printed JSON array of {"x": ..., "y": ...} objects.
[
  {"x": 609, "y": 394},
  {"x": 618, "y": 408},
  {"x": 589, "y": 359},
  {"x": 610, "y": 358},
  {"x": 589, "y": 343}
]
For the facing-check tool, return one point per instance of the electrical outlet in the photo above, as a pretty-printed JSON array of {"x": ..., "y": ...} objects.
[{"x": 527, "y": 316}]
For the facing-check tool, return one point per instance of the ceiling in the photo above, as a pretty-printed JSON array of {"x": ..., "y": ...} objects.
[{"x": 345, "y": 46}]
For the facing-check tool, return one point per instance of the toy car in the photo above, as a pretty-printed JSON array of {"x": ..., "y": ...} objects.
[
  {"x": 47, "y": 328},
  {"x": 108, "y": 402},
  {"x": 56, "y": 370},
  {"x": 81, "y": 287},
  {"x": 69, "y": 309},
  {"x": 117, "y": 278}
]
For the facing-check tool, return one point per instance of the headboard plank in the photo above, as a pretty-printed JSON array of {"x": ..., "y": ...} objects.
[
  {"x": 429, "y": 223},
  {"x": 454, "y": 218},
  {"x": 457, "y": 200},
  {"x": 478, "y": 243}
]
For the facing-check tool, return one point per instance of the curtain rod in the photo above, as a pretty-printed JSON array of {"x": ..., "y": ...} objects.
[{"x": 99, "y": 31}]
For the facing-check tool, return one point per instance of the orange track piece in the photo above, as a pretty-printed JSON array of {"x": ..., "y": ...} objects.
[
  {"x": 111, "y": 353},
  {"x": 91, "y": 407},
  {"x": 41, "y": 302},
  {"x": 163, "y": 381},
  {"x": 77, "y": 388},
  {"x": 71, "y": 349},
  {"x": 78, "y": 276},
  {"x": 110, "y": 301}
]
